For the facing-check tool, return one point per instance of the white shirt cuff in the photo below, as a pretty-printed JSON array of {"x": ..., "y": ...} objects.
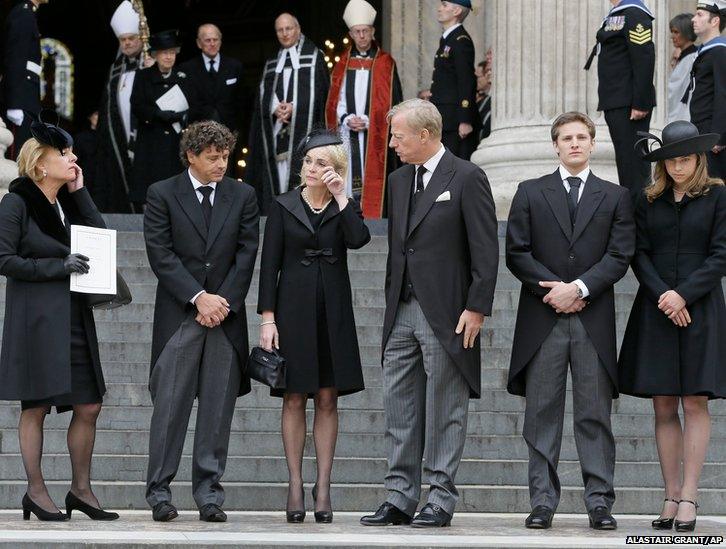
[
  {"x": 16, "y": 116},
  {"x": 194, "y": 299},
  {"x": 581, "y": 285}
]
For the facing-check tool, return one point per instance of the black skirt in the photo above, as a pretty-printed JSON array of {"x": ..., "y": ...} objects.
[{"x": 84, "y": 385}]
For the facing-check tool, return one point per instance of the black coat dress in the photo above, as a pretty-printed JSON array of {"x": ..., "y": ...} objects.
[
  {"x": 287, "y": 249},
  {"x": 680, "y": 247},
  {"x": 156, "y": 152},
  {"x": 36, "y": 351}
]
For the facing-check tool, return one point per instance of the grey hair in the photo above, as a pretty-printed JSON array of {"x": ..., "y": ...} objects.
[
  {"x": 211, "y": 26},
  {"x": 291, "y": 16},
  {"x": 420, "y": 115},
  {"x": 464, "y": 14},
  {"x": 683, "y": 24}
]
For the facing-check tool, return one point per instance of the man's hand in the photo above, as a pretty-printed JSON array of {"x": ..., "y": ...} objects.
[
  {"x": 356, "y": 123},
  {"x": 671, "y": 303},
  {"x": 207, "y": 322},
  {"x": 561, "y": 297},
  {"x": 470, "y": 322},
  {"x": 636, "y": 114},
  {"x": 465, "y": 129},
  {"x": 212, "y": 307},
  {"x": 283, "y": 112}
]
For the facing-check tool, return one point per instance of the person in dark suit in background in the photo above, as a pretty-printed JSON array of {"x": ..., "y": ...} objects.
[
  {"x": 21, "y": 71},
  {"x": 305, "y": 292},
  {"x": 443, "y": 255},
  {"x": 216, "y": 79},
  {"x": 625, "y": 69},
  {"x": 453, "y": 83},
  {"x": 156, "y": 152},
  {"x": 50, "y": 350},
  {"x": 570, "y": 238},
  {"x": 674, "y": 349},
  {"x": 201, "y": 232}
]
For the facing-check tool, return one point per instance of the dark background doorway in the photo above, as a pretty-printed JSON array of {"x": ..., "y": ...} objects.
[{"x": 247, "y": 28}]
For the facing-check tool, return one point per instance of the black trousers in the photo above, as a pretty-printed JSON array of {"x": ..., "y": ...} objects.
[
  {"x": 20, "y": 135},
  {"x": 463, "y": 148},
  {"x": 633, "y": 171}
]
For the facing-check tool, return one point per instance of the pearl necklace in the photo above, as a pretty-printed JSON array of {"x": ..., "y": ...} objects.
[{"x": 316, "y": 211}]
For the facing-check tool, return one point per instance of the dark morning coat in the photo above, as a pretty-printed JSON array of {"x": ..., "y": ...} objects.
[
  {"x": 219, "y": 97},
  {"x": 542, "y": 245},
  {"x": 186, "y": 259},
  {"x": 452, "y": 252},
  {"x": 35, "y": 362},
  {"x": 682, "y": 248},
  {"x": 292, "y": 296},
  {"x": 156, "y": 151}
]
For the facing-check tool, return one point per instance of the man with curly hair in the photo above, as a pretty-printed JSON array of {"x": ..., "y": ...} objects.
[{"x": 201, "y": 232}]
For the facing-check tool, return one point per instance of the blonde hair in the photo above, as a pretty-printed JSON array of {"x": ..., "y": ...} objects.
[
  {"x": 338, "y": 156},
  {"x": 420, "y": 115},
  {"x": 30, "y": 154},
  {"x": 699, "y": 183}
]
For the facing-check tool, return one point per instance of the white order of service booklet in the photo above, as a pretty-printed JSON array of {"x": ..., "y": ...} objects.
[{"x": 99, "y": 245}]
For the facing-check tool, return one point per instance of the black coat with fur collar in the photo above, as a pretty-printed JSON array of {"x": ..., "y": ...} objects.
[{"x": 35, "y": 358}]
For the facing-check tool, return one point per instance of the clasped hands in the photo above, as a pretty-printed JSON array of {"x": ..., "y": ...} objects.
[
  {"x": 283, "y": 112},
  {"x": 212, "y": 309},
  {"x": 562, "y": 296},
  {"x": 674, "y": 307},
  {"x": 356, "y": 123}
]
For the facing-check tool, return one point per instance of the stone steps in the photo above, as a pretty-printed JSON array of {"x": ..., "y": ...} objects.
[{"x": 267, "y": 496}]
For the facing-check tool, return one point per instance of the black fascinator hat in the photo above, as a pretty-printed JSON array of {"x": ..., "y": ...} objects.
[
  {"x": 318, "y": 138},
  {"x": 50, "y": 134},
  {"x": 680, "y": 138}
]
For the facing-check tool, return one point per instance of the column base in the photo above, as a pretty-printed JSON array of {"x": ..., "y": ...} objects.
[{"x": 512, "y": 155}]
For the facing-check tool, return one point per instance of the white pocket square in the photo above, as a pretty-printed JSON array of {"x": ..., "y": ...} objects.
[
  {"x": 443, "y": 197},
  {"x": 231, "y": 81}
]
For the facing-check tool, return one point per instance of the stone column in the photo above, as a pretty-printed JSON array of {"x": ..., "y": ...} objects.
[
  {"x": 540, "y": 48},
  {"x": 8, "y": 168}
]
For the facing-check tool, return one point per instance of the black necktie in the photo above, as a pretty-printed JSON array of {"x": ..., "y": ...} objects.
[
  {"x": 212, "y": 70},
  {"x": 206, "y": 203},
  {"x": 419, "y": 188},
  {"x": 573, "y": 196}
]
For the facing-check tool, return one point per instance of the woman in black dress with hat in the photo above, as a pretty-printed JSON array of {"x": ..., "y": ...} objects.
[
  {"x": 49, "y": 347},
  {"x": 156, "y": 150},
  {"x": 307, "y": 310},
  {"x": 674, "y": 349}
]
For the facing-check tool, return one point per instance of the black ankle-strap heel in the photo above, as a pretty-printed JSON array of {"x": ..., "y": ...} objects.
[
  {"x": 686, "y": 525},
  {"x": 665, "y": 523}
]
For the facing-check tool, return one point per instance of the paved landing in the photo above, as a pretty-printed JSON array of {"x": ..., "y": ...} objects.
[{"x": 135, "y": 529}]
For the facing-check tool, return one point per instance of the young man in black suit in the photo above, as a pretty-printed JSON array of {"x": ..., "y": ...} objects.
[
  {"x": 570, "y": 238},
  {"x": 216, "y": 79},
  {"x": 201, "y": 231}
]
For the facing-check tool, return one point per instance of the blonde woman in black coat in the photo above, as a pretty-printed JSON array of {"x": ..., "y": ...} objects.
[
  {"x": 307, "y": 310},
  {"x": 49, "y": 348},
  {"x": 674, "y": 349}
]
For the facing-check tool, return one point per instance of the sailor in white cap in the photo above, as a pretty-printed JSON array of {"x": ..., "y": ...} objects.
[
  {"x": 708, "y": 105},
  {"x": 116, "y": 127},
  {"x": 364, "y": 87}
]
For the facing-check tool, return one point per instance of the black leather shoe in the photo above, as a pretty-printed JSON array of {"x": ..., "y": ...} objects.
[
  {"x": 601, "y": 519},
  {"x": 211, "y": 512},
  {"x": 325, "y": 517},
  {"x": 387, "y": 515},
  {"x": 74, "y": 502},
  {"x": 431, "y": 516},
  {"x": 686, "y": 525},
  {"x": 662, "y": 523},
  {"x": 164, "y": 512},
  {"x": 540, "y": 518}
]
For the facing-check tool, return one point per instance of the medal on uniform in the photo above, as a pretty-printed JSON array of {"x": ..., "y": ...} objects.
[{"x": 614, "y": 23}]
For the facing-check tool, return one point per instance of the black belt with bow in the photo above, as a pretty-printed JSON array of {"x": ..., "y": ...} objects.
[{"x": 326, "y": 254}]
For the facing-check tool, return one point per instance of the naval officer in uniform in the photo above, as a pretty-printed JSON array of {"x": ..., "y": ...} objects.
[
  {"x": 625, "y": 68},
  {"x": 453, "y": 83}
]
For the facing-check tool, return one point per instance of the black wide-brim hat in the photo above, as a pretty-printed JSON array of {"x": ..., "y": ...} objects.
[
  {"x": 50, "y": 134},
  {"x": 679, "y": 138},
  {"x": 164, "y": 40}
]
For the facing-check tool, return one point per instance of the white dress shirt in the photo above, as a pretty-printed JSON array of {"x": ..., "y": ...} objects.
[
  {"x": 583, "y": 175},
  {"x": 448, "y": 31},
  {"x": 430, "y": 166},
  {"x": 197, "y": 184},
  {"x": 216, "y": 59}
]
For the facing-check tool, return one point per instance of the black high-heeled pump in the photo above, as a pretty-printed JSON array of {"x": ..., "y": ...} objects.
[
  {"x": 665, "y": 523},
  {"x": 325, "y": 517},
  {"x": 29, "y": 506},
  {"x": 686, "y": 525},
  {"x": 74, "y": 502},
  {"x": 296, "y": 517}
]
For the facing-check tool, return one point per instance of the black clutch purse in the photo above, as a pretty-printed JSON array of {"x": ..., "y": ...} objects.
[
  {"x": 106, "y": 302},
  {"x": 267, "y": 367}
]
